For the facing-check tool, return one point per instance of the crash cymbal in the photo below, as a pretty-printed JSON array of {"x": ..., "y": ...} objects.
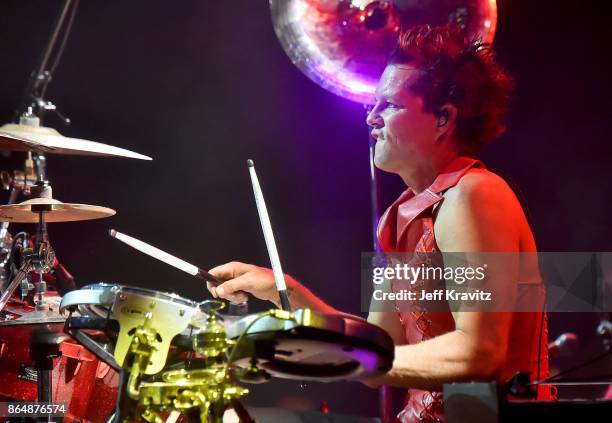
[
  {"x": 41, "y": 139},
  {"x": 55, "y": 211}
]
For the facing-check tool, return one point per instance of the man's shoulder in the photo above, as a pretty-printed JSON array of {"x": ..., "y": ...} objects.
[
  {"x": 480, "y": 186},
  {"x": 480, "y": 213}
]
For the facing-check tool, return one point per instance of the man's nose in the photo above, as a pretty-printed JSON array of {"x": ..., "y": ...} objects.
[{"x": 374, "y": 120}]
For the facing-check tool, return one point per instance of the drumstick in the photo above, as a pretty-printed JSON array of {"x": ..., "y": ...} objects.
[
  {"x": 266, "y": 226},
  {"x": 155, "y": 252}
]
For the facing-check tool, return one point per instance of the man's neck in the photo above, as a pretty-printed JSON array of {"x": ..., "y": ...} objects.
[{"x": 420, "y": 176}]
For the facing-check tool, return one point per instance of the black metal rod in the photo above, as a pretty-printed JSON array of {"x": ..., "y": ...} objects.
[
  {"x": 385, "y": 393},
  {"x": 44, "y": 385},
  {"x": 38, "y": 77},
  {"x": 375, "y": 208},
  {"x": 95, "y": 348},
  {"x": 53, "y": 37},
  {"x": 284, "y": 300}
]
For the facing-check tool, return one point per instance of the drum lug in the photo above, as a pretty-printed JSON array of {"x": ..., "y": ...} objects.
[
  {"x": 76, "y": 351},
  {"x": 3, "y": 348},
  {"x": 102, "y": 370}
]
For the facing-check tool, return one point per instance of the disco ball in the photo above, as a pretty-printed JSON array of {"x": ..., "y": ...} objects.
[{"x": 343, "y": 45}]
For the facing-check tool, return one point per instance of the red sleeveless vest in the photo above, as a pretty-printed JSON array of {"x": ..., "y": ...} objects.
[{"x": 408, "y": 226}]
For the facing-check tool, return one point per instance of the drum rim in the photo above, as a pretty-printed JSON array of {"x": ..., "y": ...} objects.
[
  {"x": 35, "y": 321},
  {"x": 162, "y": 295},
  {"x": 100, "y": 286},
  {"x": 137, "y": 290},
  {"x": 102, "y": 309}
]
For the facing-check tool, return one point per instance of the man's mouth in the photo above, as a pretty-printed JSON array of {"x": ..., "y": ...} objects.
[{"x": 376, "y": 135}]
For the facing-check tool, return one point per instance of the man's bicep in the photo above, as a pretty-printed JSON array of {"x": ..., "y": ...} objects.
[{"x": 482, "y": 217}]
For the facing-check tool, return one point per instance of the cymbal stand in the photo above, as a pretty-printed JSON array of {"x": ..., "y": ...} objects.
[
  {"x": 41, "y": 166},
  {"x": 40, "y": 259},
  {"x": 21, "y": 182},
  {"x": 33, "y": 106},
  {"x": 41, "y": 285}
]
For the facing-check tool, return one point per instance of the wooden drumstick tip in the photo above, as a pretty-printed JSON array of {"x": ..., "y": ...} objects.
[
  {"x": 250, "y": 163},
  {"x": 112, "y": 232}
]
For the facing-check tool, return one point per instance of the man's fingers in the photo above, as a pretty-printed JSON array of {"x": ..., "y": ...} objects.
[
  {"x": 241, "y": 283},
  {"x": 235, "y": 297},
  {"x": 230, "y": 270},
  {"x": 237, "y": 281},
  {"x": 211, "y": 289},
  {"x": 238, "y": 298}
]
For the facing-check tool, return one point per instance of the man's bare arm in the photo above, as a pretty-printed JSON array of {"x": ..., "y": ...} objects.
[{"x": 478, "y": 215}]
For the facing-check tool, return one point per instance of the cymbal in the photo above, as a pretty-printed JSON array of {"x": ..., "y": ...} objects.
[
  {"x": 55, "y": 211},
  {"x": 41, "y": 139}
]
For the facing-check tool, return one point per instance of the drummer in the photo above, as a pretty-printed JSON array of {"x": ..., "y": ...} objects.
[{"x": 439, "y": 101}]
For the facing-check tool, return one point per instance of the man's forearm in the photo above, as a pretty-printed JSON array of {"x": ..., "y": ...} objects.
[{"x": 428, "y": 365}]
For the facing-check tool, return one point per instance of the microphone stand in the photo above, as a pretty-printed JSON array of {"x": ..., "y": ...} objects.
[
  {"x": 38, "y": 82},
  {"x": 385, "y": 393}
]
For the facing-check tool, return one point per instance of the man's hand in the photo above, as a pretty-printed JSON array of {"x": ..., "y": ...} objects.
[{"x": 242, "y": 278}]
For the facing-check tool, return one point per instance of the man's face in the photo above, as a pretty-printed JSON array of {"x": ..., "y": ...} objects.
[{"x": 404, "y": 133}]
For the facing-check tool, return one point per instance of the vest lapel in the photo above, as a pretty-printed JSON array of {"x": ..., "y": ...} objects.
[
  {"x": 387, "y": 224},
  {"x": 409, "y": 210}
]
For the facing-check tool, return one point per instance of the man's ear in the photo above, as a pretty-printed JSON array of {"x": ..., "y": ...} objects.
[{"x": 447, "y": 116}]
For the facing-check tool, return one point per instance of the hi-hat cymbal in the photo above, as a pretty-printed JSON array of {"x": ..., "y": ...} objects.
[
  {"x": 41, "y": 139},
  {"x": 55, "y": 211}
]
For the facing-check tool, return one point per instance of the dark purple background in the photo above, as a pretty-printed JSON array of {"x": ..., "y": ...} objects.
[{"x": 201, "y": 86}]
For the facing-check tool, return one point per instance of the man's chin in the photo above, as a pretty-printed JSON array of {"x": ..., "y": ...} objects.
[{"x": 383, "y": 165}]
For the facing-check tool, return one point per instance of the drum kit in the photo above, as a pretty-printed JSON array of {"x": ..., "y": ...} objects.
[
  {"x": 109, "y": 352},
  {"x": 119, "y": 353}
]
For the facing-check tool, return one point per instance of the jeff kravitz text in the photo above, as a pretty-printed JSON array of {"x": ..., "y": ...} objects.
[
  {"x": 437, "y": 295},
  {"x": 457, "y": 274}
]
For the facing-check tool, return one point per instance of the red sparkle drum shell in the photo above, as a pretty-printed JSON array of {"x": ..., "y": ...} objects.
[{"x": 87, "y": 386}]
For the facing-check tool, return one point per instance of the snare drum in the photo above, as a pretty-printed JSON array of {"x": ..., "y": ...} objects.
[{"x": 170, "y": 315}]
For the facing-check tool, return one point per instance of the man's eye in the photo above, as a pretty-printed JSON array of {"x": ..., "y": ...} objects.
[{"x": 393, "y": 106}]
